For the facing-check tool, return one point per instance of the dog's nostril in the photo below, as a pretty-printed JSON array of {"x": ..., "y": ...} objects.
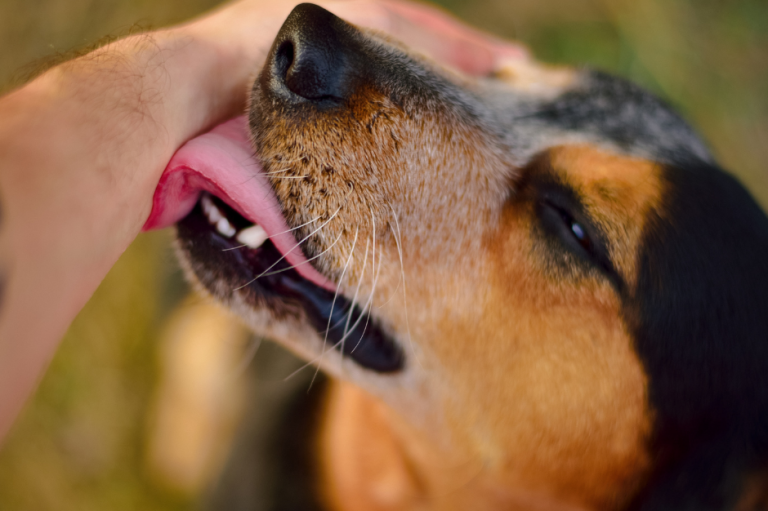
[
  {"x": 315, "y": 71},
  {"x": 284, "y": 59}
]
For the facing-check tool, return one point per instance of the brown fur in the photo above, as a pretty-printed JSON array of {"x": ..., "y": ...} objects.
[
  {"x": 553, "y": 418},
  {"x": 522, "y": 387},
  {"x": 587, "y": 428},
  {"x": 536, "y": 420}
]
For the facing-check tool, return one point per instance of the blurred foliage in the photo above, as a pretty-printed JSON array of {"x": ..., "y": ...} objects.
[{"x": 78, "y": 444}]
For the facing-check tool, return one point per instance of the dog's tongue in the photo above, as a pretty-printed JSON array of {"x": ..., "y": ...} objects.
[{"x": 222, "y": 163}]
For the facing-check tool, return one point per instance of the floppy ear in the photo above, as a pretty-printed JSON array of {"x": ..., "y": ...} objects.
[{"x": 699, "y": 318}]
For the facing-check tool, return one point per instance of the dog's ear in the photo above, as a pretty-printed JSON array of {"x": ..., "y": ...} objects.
[{"x": 700, "y": 325}]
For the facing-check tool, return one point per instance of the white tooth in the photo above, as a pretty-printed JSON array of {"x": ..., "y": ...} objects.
[
  {"x": 253, "y": 237},
  {"x": 225, "y": 228},
  {"x": 211, "y": 211}
]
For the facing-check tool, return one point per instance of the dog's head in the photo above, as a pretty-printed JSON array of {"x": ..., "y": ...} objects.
[{"x": 543, "y": 272}]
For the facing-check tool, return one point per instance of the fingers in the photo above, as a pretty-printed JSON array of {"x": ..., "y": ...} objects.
[
  {"x": 459, "y": 52},
  {"x": 432, "y": 32},
  {"x": 449, "y": 41}
]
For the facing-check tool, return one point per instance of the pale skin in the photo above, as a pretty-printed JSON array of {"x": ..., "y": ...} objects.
[{"x": 83, "y": 145}]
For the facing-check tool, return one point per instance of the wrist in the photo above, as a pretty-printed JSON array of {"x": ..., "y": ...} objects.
[{"x": 81, "y": 150}]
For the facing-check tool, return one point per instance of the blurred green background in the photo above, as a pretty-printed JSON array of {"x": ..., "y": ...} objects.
[{"x": 79, "y": 443}]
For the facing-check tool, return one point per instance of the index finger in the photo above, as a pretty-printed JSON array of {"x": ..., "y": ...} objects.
[{"x": 448, "y": 40}]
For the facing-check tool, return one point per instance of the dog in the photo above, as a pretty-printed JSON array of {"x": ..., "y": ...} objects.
[{"x": 535, "y": 290}]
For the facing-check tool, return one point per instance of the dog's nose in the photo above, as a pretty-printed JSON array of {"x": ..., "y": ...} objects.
[{"x": 312, "y": 54}]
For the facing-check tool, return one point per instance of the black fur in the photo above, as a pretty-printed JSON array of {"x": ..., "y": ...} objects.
[
  {"x": 619, "y": 111},
  {"x": 699, "y": 313},
  {"x": 700, "y": 324}
]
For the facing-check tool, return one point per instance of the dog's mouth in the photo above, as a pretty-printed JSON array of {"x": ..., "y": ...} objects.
[
  {"x": 239, "y": 246},
  {"x": 231, "y": 227},
  {"x": 241, "y": 251}
]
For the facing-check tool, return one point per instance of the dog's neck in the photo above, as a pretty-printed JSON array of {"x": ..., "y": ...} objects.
[{"x": 373, "y": 461}]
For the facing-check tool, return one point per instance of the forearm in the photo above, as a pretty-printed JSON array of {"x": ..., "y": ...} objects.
[
  {"x": 81, "y": 150},
  {"x": 83, "y": 147}
]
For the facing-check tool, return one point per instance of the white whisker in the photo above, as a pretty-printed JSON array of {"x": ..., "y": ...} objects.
[
  {"x": 273, "y": 172},
  {"x": 297, "y": 245},
  {"x": 333, "y": 304},
  {"x": 369, "y": 304},
  {"x": 341, "y": 342},
  {"x": 354, "y": 297},
  {"x": 278, "y": 234},
  {"x": 305, "y": 261},
  {"x": 291, "y": 250},
  {"x": 398, "y": 241},
  {"x": 400, "y": 281}
]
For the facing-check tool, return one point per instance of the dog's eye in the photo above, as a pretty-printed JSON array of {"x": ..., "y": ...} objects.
[
  {"x": 568, "y": 227},
  {"x": 571, "y": 232},
  {"x": 578, "y": 231}
]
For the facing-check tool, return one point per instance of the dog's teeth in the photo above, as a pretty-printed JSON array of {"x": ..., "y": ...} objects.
[
  {"x": 211, "y": 211},
  {"x": 225, "y": 228},
  {"x": 217, "y": 218},
  {"x": 253, "y": 237}
]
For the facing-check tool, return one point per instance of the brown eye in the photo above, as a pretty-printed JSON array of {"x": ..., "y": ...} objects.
[
  {"x": 578, "y": 231},
  {"x": 565, "y": 224},
  {"x": 572, "y": 233}
]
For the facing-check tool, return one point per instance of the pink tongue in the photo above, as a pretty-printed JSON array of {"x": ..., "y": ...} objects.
[{"x": 221, "y": 162}]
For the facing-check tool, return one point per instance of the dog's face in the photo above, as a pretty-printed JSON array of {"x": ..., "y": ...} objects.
[{"x": 541, "y": 272}]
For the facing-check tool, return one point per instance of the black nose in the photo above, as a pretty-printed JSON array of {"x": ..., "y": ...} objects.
[{"x": 313, "y": 55}]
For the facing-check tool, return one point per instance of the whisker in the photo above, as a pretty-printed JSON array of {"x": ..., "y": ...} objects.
[
  {"x": 273, "y": 172},
  {"x": 233, "y": 248},
  {"x": 341, "y": 343},
  {"x": 400, "y": 281},
  {"x": 305, "y": 261},
  {"x": 357, "y": 321},
  {"x": 278, "y": 234},
  {"x": 247, "y": 180},
  {"x": 354, "y": 298},
  {"x": 398, "y": 242},
  {"x": 333, "y": 304},
  {"x": 291, "y": 250},
  {"x": 369, "y": 304}
]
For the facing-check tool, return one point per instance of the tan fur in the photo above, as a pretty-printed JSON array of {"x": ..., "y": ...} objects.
[
  {"x": 491, "y": 232},
  {"x": 522, "y": 389},
  {"x": 755, "y": 493},
  {"x": 523, "y": 416},
  {"x": 619, "y": 191},
  {"x": 363, "y": 462},
  {"x": 531, "y": 77}
]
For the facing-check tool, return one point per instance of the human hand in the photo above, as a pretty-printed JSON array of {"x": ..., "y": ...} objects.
[
  {"x": 83, "y": 146},
  {"x": 243, "y": 32}
]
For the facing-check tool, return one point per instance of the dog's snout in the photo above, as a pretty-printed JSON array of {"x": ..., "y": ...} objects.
[{"x": 312, "y": 54}]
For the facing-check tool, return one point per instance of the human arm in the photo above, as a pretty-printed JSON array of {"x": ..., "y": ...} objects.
[{"x": 82, "y": 148}]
